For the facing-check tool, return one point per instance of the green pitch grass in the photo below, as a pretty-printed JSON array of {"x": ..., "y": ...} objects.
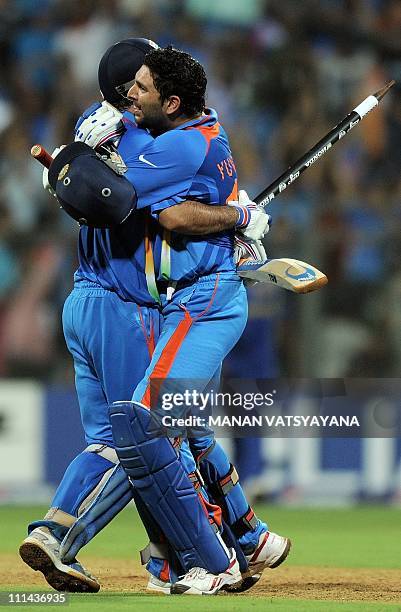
[{"x": 338, "y": 538}]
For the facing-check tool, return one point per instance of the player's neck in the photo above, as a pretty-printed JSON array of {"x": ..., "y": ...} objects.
[{"x": 183, "y": 119}]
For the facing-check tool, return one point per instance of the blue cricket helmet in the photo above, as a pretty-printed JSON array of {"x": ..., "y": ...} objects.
[
  {"x": 119, "y": 65},
  {"x": 89, "y": 190}
]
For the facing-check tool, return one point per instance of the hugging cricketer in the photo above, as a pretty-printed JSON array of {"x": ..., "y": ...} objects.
[{"x": 156, "y": 300}]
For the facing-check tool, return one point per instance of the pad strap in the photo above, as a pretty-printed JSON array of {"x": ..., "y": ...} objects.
[
  {"x": 228, "y": 481},
  {"x": 245, "y": 523},
  {"x": 154, "y": 549},
  {"x": 177, "y": 442},
  {"x": 60, "y": 517},
  {"x": 196, "y": 479}
]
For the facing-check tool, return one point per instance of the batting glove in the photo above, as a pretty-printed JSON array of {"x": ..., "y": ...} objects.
[
  {"x": 246, "y": 249},
  {"x": 98, "y": 124},
  {"x": 253, "y": 222},
  {"x": 45, "y": 174}
]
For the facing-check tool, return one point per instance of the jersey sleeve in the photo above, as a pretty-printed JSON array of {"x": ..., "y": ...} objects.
[
  {"x": 132, "y": 141},
  {"x": 163, "y": 171}
]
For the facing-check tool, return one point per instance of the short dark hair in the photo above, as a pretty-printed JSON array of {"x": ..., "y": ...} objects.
[{"x": 177, "y": 73}]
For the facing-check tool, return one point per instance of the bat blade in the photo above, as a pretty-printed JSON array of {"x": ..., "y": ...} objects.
[{"x": 291, "y": 274}]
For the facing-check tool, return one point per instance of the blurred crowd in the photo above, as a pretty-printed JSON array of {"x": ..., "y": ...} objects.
[{"x": 280, "y": 74}]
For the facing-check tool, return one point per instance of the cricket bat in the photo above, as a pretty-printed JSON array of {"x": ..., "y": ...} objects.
[{"x": 290, "y": 274}]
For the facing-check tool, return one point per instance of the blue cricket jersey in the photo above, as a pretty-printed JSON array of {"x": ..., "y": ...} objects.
[
  {"x": 192, "y": 161},
  {"x": 120, "y": 259}
]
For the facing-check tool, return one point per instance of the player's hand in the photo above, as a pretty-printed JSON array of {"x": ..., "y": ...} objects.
[
  {"x": 45, "y": 174},
  {"x": 246, "y": 249},
  {"x": 98, "y": 124},
  {"x": 253, "y": 222}
]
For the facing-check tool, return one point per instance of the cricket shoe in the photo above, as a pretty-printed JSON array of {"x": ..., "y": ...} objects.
[
  {"x": 158, "y": 586},
  {"x": 198, "y": 581},
  {"x": 41, "y": 551},
  {"x": 271, "y": 551}
]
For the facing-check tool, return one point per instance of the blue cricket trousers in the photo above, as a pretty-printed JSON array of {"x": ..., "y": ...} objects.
[{"x": 111, "y": 342}]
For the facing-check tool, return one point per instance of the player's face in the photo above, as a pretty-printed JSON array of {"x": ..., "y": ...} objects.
[{"x": 146, "y": 107}]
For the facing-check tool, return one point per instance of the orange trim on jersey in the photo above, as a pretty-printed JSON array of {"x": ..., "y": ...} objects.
[
  {"x": 234, "y": 194},
  {"x": 207, "y": 131},
  {"x": 166, "y": 359}
]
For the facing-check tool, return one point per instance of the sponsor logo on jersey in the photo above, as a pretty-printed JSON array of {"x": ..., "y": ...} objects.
[{"x": 146, "y": 161}]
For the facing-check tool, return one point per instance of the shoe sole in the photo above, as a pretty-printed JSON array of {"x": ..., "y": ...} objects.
[
  {"x": 159, "y": 589},
  {"x": 247, "y": 583},
  {"x": 39, "y": 560},
  {"x": 180, "y": 589}
]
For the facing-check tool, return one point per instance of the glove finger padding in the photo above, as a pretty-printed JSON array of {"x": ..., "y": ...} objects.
[
  {"x": 101, "y": 125},
  {"x": 244, "y": 199},
  {"x": 87, "y": 113},
  {"x": 246, "y": 249}
]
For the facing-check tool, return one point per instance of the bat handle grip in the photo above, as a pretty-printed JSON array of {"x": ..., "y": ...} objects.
[{"x": 40, "y": 153}]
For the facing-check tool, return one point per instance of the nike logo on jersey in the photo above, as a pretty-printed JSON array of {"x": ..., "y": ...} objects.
[{"x": 146, "y": 161}]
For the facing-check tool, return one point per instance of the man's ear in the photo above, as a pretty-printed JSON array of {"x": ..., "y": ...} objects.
[{"x": 172, "y": 105}]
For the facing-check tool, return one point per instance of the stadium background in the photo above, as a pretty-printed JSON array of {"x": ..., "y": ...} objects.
[{"x": 280, "y": 74}]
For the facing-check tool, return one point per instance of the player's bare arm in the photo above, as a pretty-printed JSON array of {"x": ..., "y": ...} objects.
[{"x": 195, "y": 218}]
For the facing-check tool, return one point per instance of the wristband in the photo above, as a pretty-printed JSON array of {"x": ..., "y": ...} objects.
[{"x": 244, "y": 217}]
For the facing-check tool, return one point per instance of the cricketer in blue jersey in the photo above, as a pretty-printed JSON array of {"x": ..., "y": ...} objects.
[
  {"x": 121, "y": 258},
  {"x": 111, "y": 323},
  {"x": 207, "y": 311},
  {"x": 92, "y": 266},
  {"x": 248, "y": 527}
]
